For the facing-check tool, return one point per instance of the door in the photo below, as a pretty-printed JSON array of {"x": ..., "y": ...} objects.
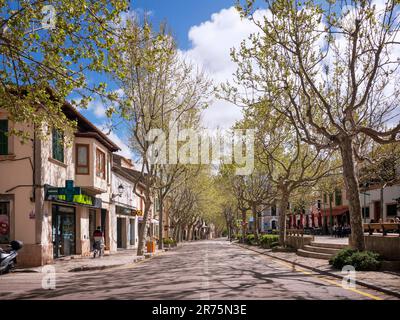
[
  {"x": 92, "y": 225},
  {"x": 119, "y": 232},
  {"x": 63, "y": 231},
  {"x": 132, "y": 232},
  {"x": 377, "y": 211}
]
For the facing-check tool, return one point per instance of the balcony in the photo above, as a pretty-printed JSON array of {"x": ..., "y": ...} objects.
[{"x": 92, "y": 165}]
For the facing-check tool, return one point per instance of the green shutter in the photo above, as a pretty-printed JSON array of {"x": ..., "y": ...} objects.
[
  {"x": 58, "y": 145},
  {"x": 3, "y": 137}
]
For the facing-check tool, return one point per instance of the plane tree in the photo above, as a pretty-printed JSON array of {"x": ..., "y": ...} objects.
[{"x": 332, "y": 69}]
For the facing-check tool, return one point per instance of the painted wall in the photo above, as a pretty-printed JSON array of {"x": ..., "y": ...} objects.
[{"x": 16, "y": 179}]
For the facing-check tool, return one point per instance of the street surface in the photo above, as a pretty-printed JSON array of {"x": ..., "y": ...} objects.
[{"x": 204, "y": 270}]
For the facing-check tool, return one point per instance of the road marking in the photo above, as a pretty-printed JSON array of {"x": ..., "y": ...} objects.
[{"x": 323, "y": 278}]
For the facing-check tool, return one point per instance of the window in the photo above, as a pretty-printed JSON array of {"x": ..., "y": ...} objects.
[
  {"x": 3, "y": 137},
  {"x": 338, "y": 197},
  {"x": 325, "y": 198},
  {"x": 58, "y": 145},
  {"x": 391, "y": 210},
  {"x": 273, "y": 211},
  {"x": 82, "y": 159},
  {"x": 100, "y": 164},
  {"x": 365, "y": 212},
  {"x": 4, "y": 222}
]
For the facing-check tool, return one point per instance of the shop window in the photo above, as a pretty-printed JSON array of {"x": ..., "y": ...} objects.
[
  {"x": 100, "y": 164},
  {"x": 391, "y": 210},
  {"x": 82, "y": 159},
  {"x": 4, "y": 222},
  {"x": 58, "y": 145},
  {"x": 3, "y": 137}
]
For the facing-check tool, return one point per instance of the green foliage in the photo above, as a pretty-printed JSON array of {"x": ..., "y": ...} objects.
[
  {"x": 250, "y": 239},
  {"x": 269, "y": 241},
  {"x": 360, "y": 260},
  {"x": 48, "y": 49},
  {"x": 169, "y": 241}
]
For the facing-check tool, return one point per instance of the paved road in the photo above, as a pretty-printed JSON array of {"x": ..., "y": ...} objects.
[{"x": 198, "y": 270}]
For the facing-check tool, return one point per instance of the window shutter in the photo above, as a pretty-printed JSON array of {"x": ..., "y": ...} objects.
[{"x": 3, "y": 137}]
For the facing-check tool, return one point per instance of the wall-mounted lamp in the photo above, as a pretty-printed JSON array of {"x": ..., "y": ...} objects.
[{"x": 120, "y": 191}]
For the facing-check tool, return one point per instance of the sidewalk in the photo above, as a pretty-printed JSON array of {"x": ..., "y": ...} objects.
[
  {"x": 78, "y": 263},
  {"x": 385, "y": 281}
]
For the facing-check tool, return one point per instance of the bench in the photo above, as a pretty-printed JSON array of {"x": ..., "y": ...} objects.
[{"x": 384, "y": 227}]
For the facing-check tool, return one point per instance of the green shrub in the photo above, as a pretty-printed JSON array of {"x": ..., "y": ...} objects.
[
  {"x": 169, "y": 241},
  {"x": 360, "y": 260},
  {"x": 269, "y": 240},
  {"x": 250, "y": 239}
]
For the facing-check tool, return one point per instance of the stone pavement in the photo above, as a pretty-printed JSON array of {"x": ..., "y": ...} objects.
[
  {"x": 78, "y": 263},
  {"x": 384, "y": 280},
  {"x": 206, "y": 270}
]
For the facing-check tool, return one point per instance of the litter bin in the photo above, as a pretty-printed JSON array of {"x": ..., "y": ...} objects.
[{"x": 151, "y": 246}]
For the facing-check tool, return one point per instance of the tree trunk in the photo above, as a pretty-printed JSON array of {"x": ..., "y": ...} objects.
[
  {"x": 243, "y": 225},
  {"x": 143, "y": 229},
  {"x": 161, "y": 225},
  {"x": 255, "y": 217},
  {"x": 331, "y": 212},
  {"x": 282, "y": 216},
  {"x": 353, "y": 192}
]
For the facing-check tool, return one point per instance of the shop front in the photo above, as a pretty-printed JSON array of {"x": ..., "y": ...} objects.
[
  {"x": 64, "y": 230},
  {"x": 73, "y": 219},
  {"x": 127, "y": 227}
]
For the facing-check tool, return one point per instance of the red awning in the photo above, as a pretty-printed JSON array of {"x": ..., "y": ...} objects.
[{"x": 338, "y": 211}]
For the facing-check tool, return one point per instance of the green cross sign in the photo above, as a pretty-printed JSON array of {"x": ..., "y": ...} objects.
[{"x": 69, "y": 191}]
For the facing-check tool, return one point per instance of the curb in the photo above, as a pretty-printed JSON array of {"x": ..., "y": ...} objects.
[
  {"x": 94, "y": 268},
  {"x": 362, "y": 283}
]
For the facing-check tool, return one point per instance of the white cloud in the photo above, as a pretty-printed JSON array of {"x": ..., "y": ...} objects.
[
  {"x": 211, "y": 45},
  {"x": 125, "y": 150}
]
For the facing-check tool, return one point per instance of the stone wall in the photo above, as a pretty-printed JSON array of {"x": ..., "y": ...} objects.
[
  {"x": 387, "y": 247},
  {"x": 299, "y": 242}
]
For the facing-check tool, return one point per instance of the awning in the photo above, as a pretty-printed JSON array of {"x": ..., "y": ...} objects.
[{"x": 338, "y": 211}]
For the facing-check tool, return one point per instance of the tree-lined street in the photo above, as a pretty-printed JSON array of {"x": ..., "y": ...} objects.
[{"x": 202, "y": 270}]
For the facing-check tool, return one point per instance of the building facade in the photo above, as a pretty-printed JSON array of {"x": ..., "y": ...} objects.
[
  {"x": 379, "y": 203},
  {"x": 53, "y": 194}
]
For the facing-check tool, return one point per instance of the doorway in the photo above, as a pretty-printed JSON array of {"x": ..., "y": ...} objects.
[
  {"x": 92, "y": 226},
  {"x": 63, "y": 231},
  {"x": 119, "y": 232},
  {"x": 377, "y": 211}
]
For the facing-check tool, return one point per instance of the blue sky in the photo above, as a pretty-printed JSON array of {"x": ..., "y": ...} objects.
[
  {"x": 181, "y": 15},
  {"x": 205, "y": 31}
]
